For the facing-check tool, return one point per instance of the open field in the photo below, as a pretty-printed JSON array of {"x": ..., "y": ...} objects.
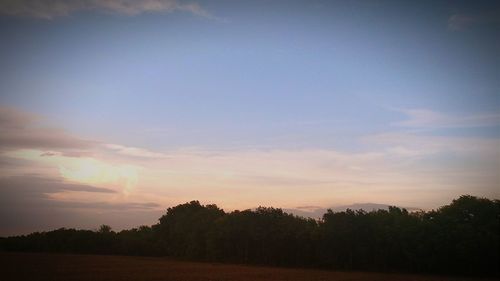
[{"x": 37, "y": 266}]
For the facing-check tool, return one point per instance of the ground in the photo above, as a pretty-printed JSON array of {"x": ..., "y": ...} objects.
[{"x": 37, "y": 266}]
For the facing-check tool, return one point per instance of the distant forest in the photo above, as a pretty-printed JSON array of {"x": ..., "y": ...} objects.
[{"x": 460, "y": 238}]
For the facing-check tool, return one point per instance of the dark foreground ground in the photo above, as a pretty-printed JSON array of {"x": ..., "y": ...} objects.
[{"x": 27, "y": 266}]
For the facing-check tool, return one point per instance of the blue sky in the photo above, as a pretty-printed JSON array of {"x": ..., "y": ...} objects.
[{"x": 413, "y": 83}]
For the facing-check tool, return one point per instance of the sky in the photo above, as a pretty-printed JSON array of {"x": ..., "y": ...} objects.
[{"x": 112, "y": 111}]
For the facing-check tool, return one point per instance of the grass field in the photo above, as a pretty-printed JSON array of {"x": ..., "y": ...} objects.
[{"x": 28, "y": 266}]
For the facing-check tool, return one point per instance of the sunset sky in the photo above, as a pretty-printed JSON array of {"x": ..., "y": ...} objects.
[{"x": 111, "y": 111}]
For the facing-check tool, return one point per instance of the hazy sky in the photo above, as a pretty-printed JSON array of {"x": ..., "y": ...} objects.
[{"x": 112, "y": 111}]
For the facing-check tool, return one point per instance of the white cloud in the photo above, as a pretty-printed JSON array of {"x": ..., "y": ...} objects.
[
  {"x": 83, "y": 170},
  {"x": 424, "y": 118},
  {"x": 49, "y": 9},
  {"x": 415, "y": 144},
  {"x": 134, "y": 151}
]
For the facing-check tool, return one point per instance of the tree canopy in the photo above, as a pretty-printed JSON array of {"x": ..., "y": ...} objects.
[{"x": 459, "y": 238}]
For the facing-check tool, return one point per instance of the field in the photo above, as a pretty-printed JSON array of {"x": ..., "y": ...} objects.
[{"x": 33, "y": 266}]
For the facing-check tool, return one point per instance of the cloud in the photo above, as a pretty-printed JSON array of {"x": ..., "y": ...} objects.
[
  {"x": 317, "y": 212},
  {"x": 33, "y": 191},
  {"x": 49, "y": 153},
  {"x": 288, "y": 178},
  {"x": 29, "y": 203},
  {"x": 85, "y": 170},
  {"x": 134, "y": 151},
  {"x": 308, "y": 208},
  {"x": 19, "y": 130},
  {"x": 424, "y": 118},
  {"x": 50, "y": 9},
  {"x": 34, "y": 186},
  {"x": 460, "y": 22},
  {"x": 410, "y": 144},
  {"x": 404, "y": 168},
  {"x": 74, "y": 158},
  {"x": 84, "y": 182},
  {"x": 106, "y": 205},
  {"x": 13, "y": 118}
]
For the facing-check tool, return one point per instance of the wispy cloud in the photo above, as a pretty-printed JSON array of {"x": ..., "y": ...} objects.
[
  {"x": 424, "y": 118},
  {"x": 459, "y": 22},
  {"x": 84, "y": 170},
  {"x": 23, "y": 130},
  {"x": 130, "y": 206},
  {"x": 409, "y": 144},
  {"x": 408, "y": 168},
  {"x": 50, "y": 9},
  {"x": 22, "y": 137},
  {"x": 19, "y": 129},
  {"x": 41, "y": 186},
  {"x": 134, "y": 151},
  {"x": 33, "y": 203}
]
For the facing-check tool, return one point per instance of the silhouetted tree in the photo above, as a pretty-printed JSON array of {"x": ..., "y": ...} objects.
[
  {"x": 184, "y": 229},
  {"x": 460, "y": 238}
]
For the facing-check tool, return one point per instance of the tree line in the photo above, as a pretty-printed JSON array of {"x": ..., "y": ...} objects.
[{"x": 460, "y": 238}]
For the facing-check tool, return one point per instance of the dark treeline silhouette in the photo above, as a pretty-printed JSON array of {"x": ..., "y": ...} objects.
[{"x": 460, "y": 238}]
